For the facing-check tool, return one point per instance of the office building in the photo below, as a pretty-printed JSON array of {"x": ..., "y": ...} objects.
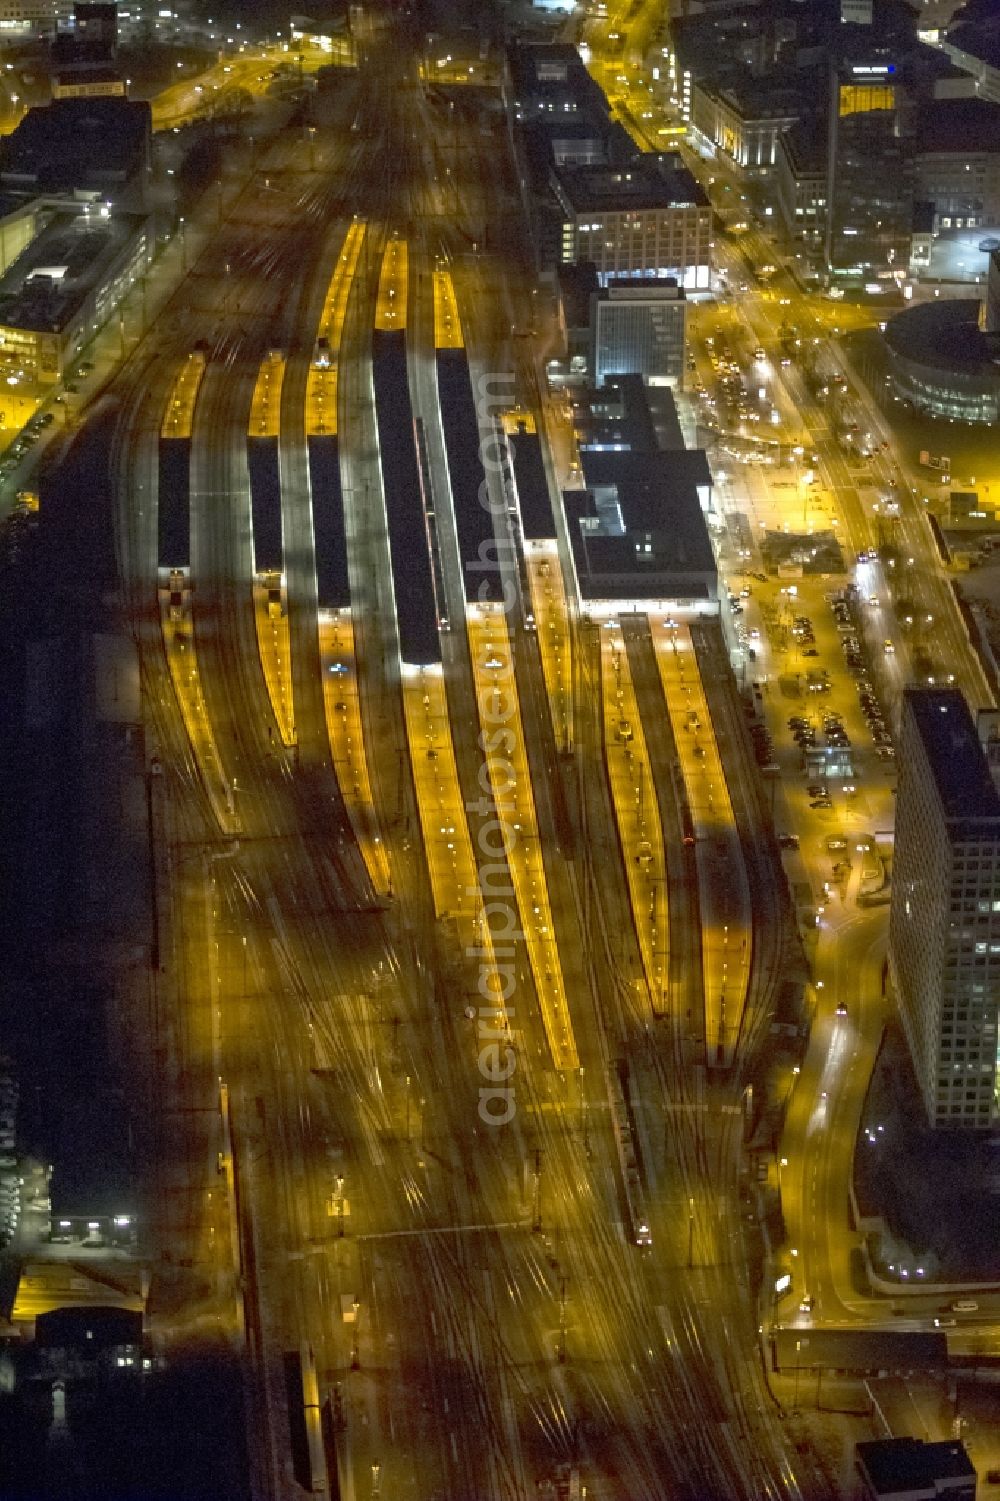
[
  {"x": 27, "y": 17},
  {"x": 908, "y": 1469},
  {"x": 944, "y": 920},
  {"x": 973, "y": 44},
  {"x": 801, "y": 182},
  {"x": 89, "y": 146},
  {"x": 869, "y": 170},
  {"x": 64, "y": 286},
  {"x": 958, "y": 162},
  {"x": 638, "y": 328},
  {"x": 647, "y": 219},
  {"x": 743, "y": 121},
  {"x": 550, "y": 83},
  {"x": 944, "y": 357},
  {"x": 637, "y": 527}
]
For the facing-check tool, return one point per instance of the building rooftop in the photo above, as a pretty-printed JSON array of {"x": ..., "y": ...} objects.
[
  {"x": 649, "y": 182},
  {"x": 777, "y": 96},
  {"x": 981, "y": 41},
  {"x": 72, "y": 143},
  {"x": 945, "y": 335},
  {"x": 958, "y": 125},
  {"x": 577, "y": 284},
  {"x": 954, "y": 751},
  {"x": 626, "y": 415},
  {"x": 896, "y": 1465},
  {"x": 42, "y": 289},
  {"x": 806, "y": 146}
]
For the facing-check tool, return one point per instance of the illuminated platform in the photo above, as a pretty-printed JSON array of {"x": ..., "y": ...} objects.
[
  {"x": 265, "y": 408},
  {"x": 496, "y": 692},
  {"x": 182, "y": 661},
  {"x": 179, "y": 416},
  {"x": 347, "y": 747},
  {"x": 447, "y": 325},
  {"x": 393, "y": 282},
  {"x": 636, "y": 813},
  {"x": 321, "y": 382},
  {"x": 549, "y": 607},
  {"x": 447, "y": 843},
  {"x": 724, "y": 895},
  {"x": 274, "y": 644}
]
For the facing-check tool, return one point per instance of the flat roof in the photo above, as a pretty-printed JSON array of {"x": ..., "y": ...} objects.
[
  {"x": 462, "y": 439},
  {"x": 858, "y": 1350},
  {"x": 957, "y": 760},
  {"x": 537, "y": 520},
  {"x": 409, "y": 539},
  {"x": 976, "y": 40},
  {"x": 174, "y": 504},
  {"x": 897, "y": 1465},
  {"x": 44, "y": 287},
  {"x": 333, "y": 587},
  {"x": 637, "y": 529},
  {"x": 655, "y": 496},
  {"x": 945, "y": 335},
  {"x": 642, "y": 184},
  {"x": 265, "y": 505},
  {"x": 966, "y": 126},
  {"x": 578, "y": 281},
  {"x": 72, "y": 141}
]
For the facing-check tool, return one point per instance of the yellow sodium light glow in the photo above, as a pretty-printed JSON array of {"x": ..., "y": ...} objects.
[
  {"x": 265, "y": 409},
  {"x": 447, "y": 325},
  {"x": 390, "y": 305},
  {"x": 515, "y": 421},
  {"x": 182, "y": 661},
  {"x": 274, "y": 645},
  {"x": 321, "y": 384},
  {"x": 507, "y": 762},
  {"x": 723, "y": 889},
  {"x": 343, "y": 726},
  {"x": 448, "y": 847},
  {"x": 636, "y": 812},
  {"x": 548, "y": 605},
  {"x": 179, "y": 415}
]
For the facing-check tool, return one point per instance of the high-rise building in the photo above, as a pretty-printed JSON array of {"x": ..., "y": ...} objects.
[
  {"x": 869, "y": 170},
  {"x": 649, "y": 218},
  {"x": 638, "y": 328},
  {"x": 944, "y": 921}
]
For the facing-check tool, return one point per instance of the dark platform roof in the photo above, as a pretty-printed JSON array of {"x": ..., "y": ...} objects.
[
  {"x": 958, "y": 125},
  {"x": 409, "y": 542},
  {"x": 473, "y": 520},
  {"x": 537, "y": 521},
  {"x": 333, "y": 590},
  {"x": 953, "y": 749},
  {"x": 895, "y": 1465},
  {"x": 265, "y": 504},
  {"x": 174, "y": 504}
]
